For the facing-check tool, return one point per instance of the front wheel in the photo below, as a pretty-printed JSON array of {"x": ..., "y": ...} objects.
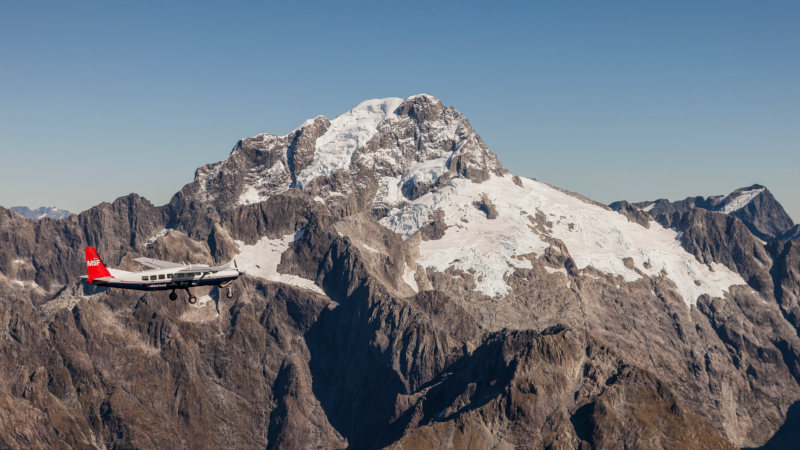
[{"x": 173, "y": 296}]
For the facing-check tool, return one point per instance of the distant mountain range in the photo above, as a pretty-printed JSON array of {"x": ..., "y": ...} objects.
[
  {"x": 406, "y": 290},
  {"x": 42, "y": 212}
]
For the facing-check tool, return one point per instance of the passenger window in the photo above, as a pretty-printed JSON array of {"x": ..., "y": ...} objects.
[
  {"x": 161, "y": 277},
  {"x": 144, "y": 278},
  {"x": 152, "y": 277},
  {"x": 169, "y": 275}
]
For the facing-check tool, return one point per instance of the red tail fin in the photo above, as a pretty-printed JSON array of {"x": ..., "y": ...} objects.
[{"x": 94, "y": 266}]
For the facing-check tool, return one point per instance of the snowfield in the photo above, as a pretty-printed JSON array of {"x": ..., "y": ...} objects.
[
  {"x": 593, "y": 235},
  {"x": 262, "y": 258},
  {"x": 741, "y": 200},
  {"x": 529, "y": 215},
  {"x": 349, "y": 131}
]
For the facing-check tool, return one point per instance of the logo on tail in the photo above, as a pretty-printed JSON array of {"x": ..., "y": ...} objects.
[{"x": 94, "y": 265}]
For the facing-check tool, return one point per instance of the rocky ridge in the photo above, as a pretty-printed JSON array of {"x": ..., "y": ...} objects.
[
  {"x": 403, "y": 290},
  {"x": 755, "y": 206}
]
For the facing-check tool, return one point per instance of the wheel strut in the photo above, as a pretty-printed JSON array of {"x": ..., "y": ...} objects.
[{"x": 192, "y": 298}]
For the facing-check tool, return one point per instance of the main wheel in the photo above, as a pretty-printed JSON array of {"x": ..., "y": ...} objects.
[
  {"x": 229, "y": 293},
  {"x": 173, "y": 296},
  {"x": 192, "y": 299}
]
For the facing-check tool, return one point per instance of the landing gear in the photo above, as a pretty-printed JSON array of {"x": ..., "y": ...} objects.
[
  {"x": 229, "y": 292},
  {"x": 192, "y": 298},
  {"x": 173, "y": 296}
]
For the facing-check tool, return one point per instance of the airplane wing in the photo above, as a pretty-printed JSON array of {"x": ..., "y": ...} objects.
[
  {"x": 157, "y": 264},
  {"x": 195, "y": 268},
  {"x": 218, "y": 268}
]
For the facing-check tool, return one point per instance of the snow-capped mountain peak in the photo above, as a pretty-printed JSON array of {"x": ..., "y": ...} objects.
[
  {"x": 42, "y": 212},
  {"x": 401, "y": 146},
  {"x": 739, "y": 199},
  {"x": 347, "y": 132},
  {"x": 754, "y": 205}
]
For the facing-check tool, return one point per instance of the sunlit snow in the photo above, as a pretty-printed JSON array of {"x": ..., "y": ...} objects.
[
  {"x": 262, "y": 258},
  {"x": 408, "y": 277},
  {"x": 155, "y": 237},
  {"x": 594, "y": 236},
  {"x": 347, "y": 132},
  {"x": 740, "y": 201}
]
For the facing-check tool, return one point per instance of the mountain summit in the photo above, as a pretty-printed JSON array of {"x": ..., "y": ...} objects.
[
  {"x": 403, "y": 290},
  {"x": 755, "y": 206},
  {"x": 400, "y": 147}
]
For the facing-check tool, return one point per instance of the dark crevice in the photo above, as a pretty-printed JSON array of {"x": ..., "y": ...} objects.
[
  {"x": 582, "y": 423},
  {"x": 788, "y": 435}
]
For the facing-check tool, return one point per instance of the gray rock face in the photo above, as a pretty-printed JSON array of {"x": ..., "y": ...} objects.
[
  {"x": 790, "y": 234},
  {"x": 724, "y": 239},
  {"x": 391, "y": 349},
  {"x": 765, "y": 217},
  {"x": 786, "y": 276},
  {"x": 555, "y": 389},
  {"x": 633, "y": 213}
]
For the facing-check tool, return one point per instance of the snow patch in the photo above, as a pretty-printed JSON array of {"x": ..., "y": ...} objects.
[
  {"x": 472, "y": 243},
  {"x": 158, "y": 235},
  {"x": 250, "y": 196},
  {"x": 408, "y": 277},
  {"x": 552, "y": 270},
  {"x": 594, "y": 237},
  {"x": 203, "y": 175},
  {"x": 262, "y": 258},
  {"x": 741, "y": 200},
  {"x": 367, "y": 247},
  {"x": 389, "y": 191},
  {"x": 426, "y": 171},
  {"x": 349, "y": 131},
  {"x": 264, "y": 184},
  {"x": 201, "y": 302},
  {"x": 649, "y": 207}
]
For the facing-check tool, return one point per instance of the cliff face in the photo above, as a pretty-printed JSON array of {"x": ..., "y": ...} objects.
[{"x": 403, "y": 290}]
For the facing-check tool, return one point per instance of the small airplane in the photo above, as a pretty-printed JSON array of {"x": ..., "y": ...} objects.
[{"x": 163, "y": 276}]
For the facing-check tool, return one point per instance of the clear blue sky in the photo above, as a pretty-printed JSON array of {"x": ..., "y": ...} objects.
[{"x": 616, "y": 100}]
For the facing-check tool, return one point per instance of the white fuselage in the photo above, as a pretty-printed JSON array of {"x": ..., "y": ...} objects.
[{"x": 169, "y": 278}]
